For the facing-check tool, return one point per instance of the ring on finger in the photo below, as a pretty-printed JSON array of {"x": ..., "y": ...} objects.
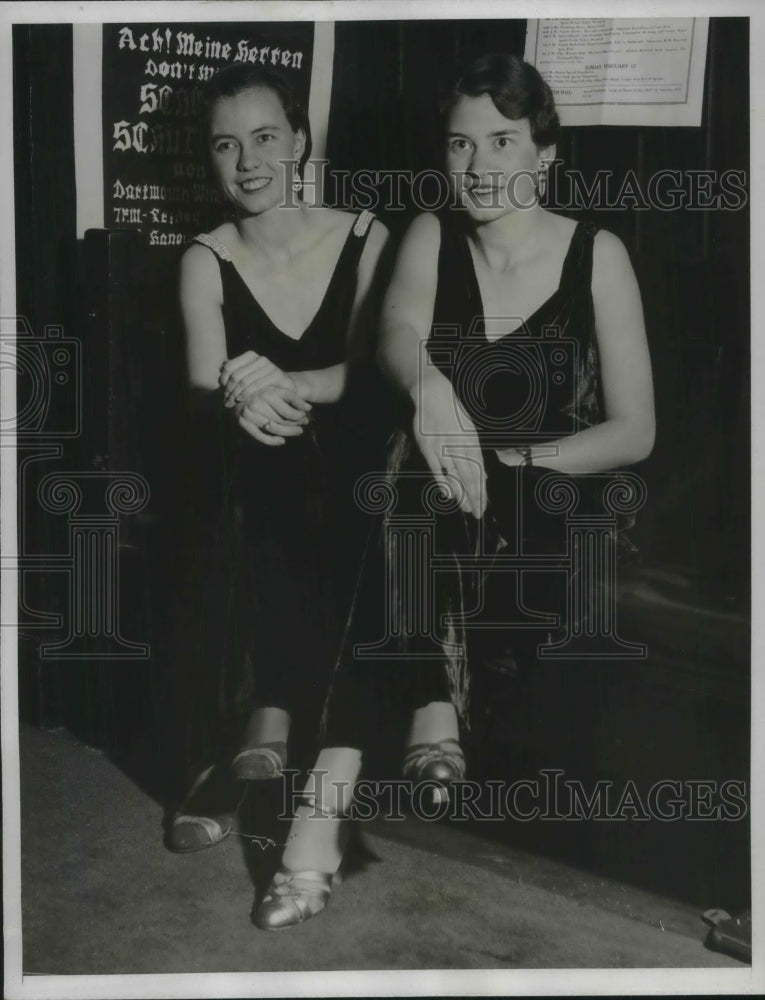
[{"x": 267, "y": 425}]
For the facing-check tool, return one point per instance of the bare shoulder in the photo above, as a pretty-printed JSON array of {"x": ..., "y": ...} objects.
[
  {"x": 200, "y": 255},
  {"x": 227, "y": 234},
  {"x": 558, "y": 232},
  {"x": 424, "y": 232},
  {"x": 329, "y": 222},
  {"x": 333, "y": 216},
  {"x": 555, "y": 234},
  {"x": 560, "y": 226},
  {"x": 199, "y": 274},
  {"x": 608, "y": 249},
  {"x": 611, "y": 265},
  {"x": 417, "y": 259},
  {"x": 198, "y": 261}
]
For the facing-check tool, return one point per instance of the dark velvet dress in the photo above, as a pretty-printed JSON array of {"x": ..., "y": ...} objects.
[
  {"x": 435, "y": 595},
  {"x": 276, "y": 535}
]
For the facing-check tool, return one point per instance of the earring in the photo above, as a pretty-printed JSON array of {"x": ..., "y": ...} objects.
[
  {"x": 297, "y": 184},
  {"x": 541, "y": 180}
]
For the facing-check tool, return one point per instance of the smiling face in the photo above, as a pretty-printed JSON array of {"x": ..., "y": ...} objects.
[
  {"x": 492, "y": 160},
  {"x": 250, "y": 142}
]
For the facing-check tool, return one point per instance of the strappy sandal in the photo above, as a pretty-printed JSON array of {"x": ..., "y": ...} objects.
[
  {"x": 200, "y": 822},
  {"x": 261, "y": 762},
  {"x": 195, "y": 833},
  {"x": 292, "y": 898}
]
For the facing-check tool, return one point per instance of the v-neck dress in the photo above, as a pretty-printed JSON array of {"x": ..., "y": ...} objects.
[
  {"x": 287, "y": 532},
  {"x": 538, "y": 382}
]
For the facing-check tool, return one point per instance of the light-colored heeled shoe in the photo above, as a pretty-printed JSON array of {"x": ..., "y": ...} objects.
[
  {"x": 206, "y": 815},
  {"x": 195, "y": 833},
  {"x": 292, "y": 898},
  {"x": 260, "y": 763},
  {"x": 440, "y": 762}
]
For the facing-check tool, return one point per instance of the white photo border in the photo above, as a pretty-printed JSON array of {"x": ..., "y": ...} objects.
[{"x": 383, "y": 983}]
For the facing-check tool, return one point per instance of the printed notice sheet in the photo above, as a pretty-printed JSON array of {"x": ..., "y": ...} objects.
[{"x": 622, "y": 71}]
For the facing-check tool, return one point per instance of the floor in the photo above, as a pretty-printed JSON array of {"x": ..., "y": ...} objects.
[{"x": 101, "y": 894}]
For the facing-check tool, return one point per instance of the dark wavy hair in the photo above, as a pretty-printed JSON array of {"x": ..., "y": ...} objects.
[
  {"x": 238, "y": 77},
  {"x": 516, "y": 89}
]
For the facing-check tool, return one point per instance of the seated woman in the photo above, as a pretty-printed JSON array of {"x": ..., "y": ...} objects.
[
  {"x": 275, "y": 304},
  {"x": 482, "y": 288}
]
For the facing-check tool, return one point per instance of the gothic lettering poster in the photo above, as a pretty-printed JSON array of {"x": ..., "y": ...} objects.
[{"x": 154, "y": 177}]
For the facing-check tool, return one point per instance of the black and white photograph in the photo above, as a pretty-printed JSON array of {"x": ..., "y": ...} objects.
[{"x": 378, "y": 559}]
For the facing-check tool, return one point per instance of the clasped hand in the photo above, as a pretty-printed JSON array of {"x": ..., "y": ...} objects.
[
  {"x": 449, "y": 443},
  {"x": 267, "y": 401}
]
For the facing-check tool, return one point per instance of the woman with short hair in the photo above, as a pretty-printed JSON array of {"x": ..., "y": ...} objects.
[
  {"x": 277, "y": 304},
  {"x": 517, "y": 337}
]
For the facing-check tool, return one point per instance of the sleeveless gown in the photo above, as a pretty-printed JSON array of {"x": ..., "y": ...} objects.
[
  {"x": 276, "y": 532},
  {"x": 539, "y": 382}
]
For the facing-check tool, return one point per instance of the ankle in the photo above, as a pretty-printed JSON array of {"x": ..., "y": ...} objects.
[
  {"x": 267, "y": 725},
  {"x": 316, "y": 841},
  {"x": 267, "y": 760},
  {"x": 433, "y": 723}
]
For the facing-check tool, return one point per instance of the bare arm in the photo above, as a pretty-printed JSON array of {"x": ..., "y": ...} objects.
[
  {"x": 201, "y": 299},
  {"x": 627, "y": 433},
  {"x": 407, "y": 311},
  {"x": 444, "y": 434}
]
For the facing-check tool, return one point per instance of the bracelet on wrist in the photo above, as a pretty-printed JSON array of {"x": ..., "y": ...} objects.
[{"x": 525, "y": 453}]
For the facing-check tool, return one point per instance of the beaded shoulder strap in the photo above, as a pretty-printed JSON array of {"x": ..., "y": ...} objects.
[
  {"x": 215, "y": 245},
  {"x": 363, "y": 222}
]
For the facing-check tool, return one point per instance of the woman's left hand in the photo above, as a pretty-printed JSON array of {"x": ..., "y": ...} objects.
[{"x": 251, "y": 372}]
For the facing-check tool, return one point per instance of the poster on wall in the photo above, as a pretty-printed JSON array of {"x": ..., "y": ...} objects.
[
  {"x": 622, "y": 71},
  {"x": 155, "y": 173}
]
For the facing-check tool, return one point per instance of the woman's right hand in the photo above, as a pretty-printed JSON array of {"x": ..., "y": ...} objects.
[
  {"x": 272, "y": 414},
  {"x": 449, "y": 443}
]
